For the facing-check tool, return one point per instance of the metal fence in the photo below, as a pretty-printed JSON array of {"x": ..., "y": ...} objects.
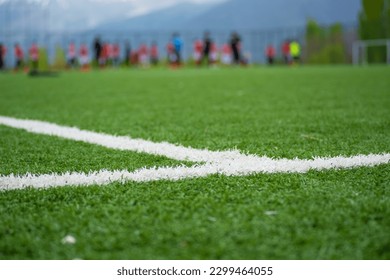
[
  {"x": 254, "y": 41},
  {"x": 360, "y": 49}
]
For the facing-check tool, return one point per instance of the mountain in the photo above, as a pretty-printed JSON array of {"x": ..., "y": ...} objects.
[
  {"x": 70, "y": 15},
  {"x": 243, "y": 15},
  {"x": 164, "y": 19},
  {"x": 76, "y": 15},
  {"x": 264, "y": 14}
]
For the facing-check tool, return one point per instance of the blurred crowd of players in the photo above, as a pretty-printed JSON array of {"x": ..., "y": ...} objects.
[{"x": 104, "y": 54}]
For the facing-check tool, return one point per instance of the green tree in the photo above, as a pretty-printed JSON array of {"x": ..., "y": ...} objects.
[
  {"x": 59, "y": 59},
  {"x": 374, "y": 23},
  {"x": 325, "y": 45},
  {"x": 315, "y": 37},
  {"x": 43, "y": 64}
]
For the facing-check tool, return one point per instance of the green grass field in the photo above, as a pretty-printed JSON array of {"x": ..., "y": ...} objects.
[{"x": 280, "y": 112}]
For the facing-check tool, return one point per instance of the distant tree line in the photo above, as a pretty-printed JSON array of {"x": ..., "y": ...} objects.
[
  {"x": 374, "y": 23},
  {"x": 325, "y": 45}
]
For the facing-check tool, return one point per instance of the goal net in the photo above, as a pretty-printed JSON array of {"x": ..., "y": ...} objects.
[{"x": 361, "y": 51}]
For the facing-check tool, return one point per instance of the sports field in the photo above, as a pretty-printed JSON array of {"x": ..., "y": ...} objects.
[{"x": 191, "y": 210}]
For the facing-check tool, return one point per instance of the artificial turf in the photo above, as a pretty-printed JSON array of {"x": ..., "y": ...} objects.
[{"x": 280, "y": 112}]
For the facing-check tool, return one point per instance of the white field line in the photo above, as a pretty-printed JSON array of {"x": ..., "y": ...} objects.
[
  {"x": 228, "y": 168},
  {"x": 230, "y": 163},
  {"x": 176, "y": 152}
]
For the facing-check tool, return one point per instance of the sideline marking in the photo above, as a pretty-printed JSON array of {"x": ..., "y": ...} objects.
[
  {"x": 229, "y": 163},
  {"x": 172, "y": 151}
]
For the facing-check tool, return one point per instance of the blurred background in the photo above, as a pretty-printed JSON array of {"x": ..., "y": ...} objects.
[{"x": 329, "y": 31}]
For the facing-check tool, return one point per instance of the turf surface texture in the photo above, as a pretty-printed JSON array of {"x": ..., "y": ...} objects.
[{"x": 280, "y": 112}]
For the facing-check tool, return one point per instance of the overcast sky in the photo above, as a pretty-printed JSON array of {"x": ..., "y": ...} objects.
[
  {"x": 145, "y": 6},
  {"x": 139, "y": 7}
]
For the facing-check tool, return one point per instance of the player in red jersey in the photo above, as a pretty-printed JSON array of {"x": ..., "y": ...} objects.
[
  {"x": 19, "y": 55},
  {"x": 104, "y": 55},
  {"x": 34, "y": 56},
  {"x": 143, "y": 55},
  {"x": 72, "y": 55},
  {"x": 226, "y": 54},
  {"x": 115, "y": 54},
  {"x": 270, "y": 53},
  {"x": 213, "y": 53},
  {"x": 134, "y": 58},
  {"x": 198, "y": 49},
  {"x": 154, "y": 54},
  {"x": 109, "y": 53},
  {"x": 84, "y": 57},
  {"x": 286, "y": 52},
  {"x": 171, "y": 54}
]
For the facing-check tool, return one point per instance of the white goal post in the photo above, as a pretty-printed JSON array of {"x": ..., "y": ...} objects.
[{"x": 359, "y": 50}]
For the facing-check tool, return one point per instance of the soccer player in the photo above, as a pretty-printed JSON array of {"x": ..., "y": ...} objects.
[
  {"x": 72, "y": 55},
  {"x": 235, "y": 43},
  {"x": 115, "y": 54},
  {"x": 84, "y": 57},
  {"x": 270, "y": 54},
  {"x": 34, "y": 57},
  {"x": 295, "y": 51},
  {"x": 154, "y": 54},
  {"x": 134, "y": 58},
  {"x": 178, "y": 45},
  {"x": 127, "y": 53},
  {"x": 104, "y": 55},
  {"x": 98, "y": 50},
  {"x": 18, "y": 56},
  {"x": 143, "y": 55},
  {"x": 213, "y": 54},
  {"x": 226, "y": 54},
  {"x": 171, "y": 56},
  {"x": 286, "y": 51},
  {"x": 207, "y": 42},
  {"x": 198, "y": 49},
  {"x": 108, "y": 51},
  {"x": 3, "y": 51}
]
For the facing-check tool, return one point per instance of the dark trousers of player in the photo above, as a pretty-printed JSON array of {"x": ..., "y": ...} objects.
[
  {"x": 1, "y": 63},
  {"x": 34, "y": 64},
  {"x": 178, "y": 57},
  {"x": 154, "y": 60},
  {"x": 97, "y": 56},
  {"x": 206, "y": 55},
  {"x": 286, "y": 59},
  {"x": 236, "y": 55},
  {"x": 18, "y": 64},
  {"x": 72, "y": 62},
  {"x": 270, "y": 60}
]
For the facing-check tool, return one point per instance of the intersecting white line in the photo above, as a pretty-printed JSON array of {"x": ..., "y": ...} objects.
[
  {"x": 176, "y": 152},
  {"x": 229, "y": 163}
]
